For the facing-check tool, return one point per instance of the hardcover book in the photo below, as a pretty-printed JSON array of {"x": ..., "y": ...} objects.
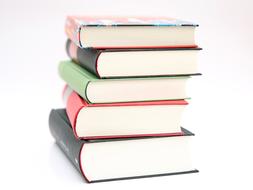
[
  {"x": 110, "y": 63},
  {"x": 123, "y": 120},
  {"x": 95, "y": 90},
  {"x": 137, "y": 32},
  {"x": 118, "y": 159}
]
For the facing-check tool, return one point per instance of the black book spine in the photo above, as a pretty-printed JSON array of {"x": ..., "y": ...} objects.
[
  {"x": 86, "y": 58},
  {"x": 62, "y": 132},
  {"x": 64, "y": 137}
]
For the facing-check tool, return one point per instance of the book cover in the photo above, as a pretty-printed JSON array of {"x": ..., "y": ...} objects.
[
  {"x": 74, "y": 24},
  {"x": 79, "y": 79},
  {"x": 88, "y": 58},
  {"x": 61, "y": 131},
  {"x": 74, "y": 104}
]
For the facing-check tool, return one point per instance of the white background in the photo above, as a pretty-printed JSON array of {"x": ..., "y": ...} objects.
[{"x": 32, "y": 42}]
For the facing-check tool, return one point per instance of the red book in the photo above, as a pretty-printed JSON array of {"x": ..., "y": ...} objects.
[{"x": 123, "y": 120}]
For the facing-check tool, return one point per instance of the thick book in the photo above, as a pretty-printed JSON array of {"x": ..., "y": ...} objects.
[
  {"x": 96, "y": 90},
  {"x": 110, "y": 63},
  {"x": 123, "y": 120},
  {"x": 118, "y": 159},
  {"x": 138, "y": 32}
]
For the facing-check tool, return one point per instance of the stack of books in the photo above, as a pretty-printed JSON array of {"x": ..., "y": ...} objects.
[{"x": 125, "y": 95}]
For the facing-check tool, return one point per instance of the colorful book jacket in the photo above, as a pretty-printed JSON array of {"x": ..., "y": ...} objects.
[
  {"x": 88, "y": 57},
  {"x": 61, "y": 131},
  {"x": 74, "y": 103},
  {"x": 74, "y": 24}
]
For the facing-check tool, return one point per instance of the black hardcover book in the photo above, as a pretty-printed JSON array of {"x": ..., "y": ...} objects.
[
  {"x": 118, "y": 159},
  {"x": 120, "y": 63}
]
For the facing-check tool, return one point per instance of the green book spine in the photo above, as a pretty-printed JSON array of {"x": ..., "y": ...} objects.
[
  {"x": 79, "y": 78},
  {"x": 76, "y": 77}
]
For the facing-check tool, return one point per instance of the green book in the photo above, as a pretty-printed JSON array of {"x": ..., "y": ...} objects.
[{"x": 116, "y": 90}]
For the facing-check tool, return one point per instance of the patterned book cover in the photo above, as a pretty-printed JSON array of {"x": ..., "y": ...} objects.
[{"x": 75, "y": 23}]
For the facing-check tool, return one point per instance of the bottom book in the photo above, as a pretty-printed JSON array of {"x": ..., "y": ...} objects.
[{"x": 118, "y": 159}]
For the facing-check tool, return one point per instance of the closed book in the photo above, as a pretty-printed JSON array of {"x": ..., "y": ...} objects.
[
  {"x": 138, "y": 32},
  {"x": 118, "y": 159},
  {"x": 123, "y": 120},
  {"x": 112, "y": 63},
  {"x": 95, "y": 90}
]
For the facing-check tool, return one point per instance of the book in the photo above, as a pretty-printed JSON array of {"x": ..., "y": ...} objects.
[
  {"x": 118, "y": 159},
  {"x": 96, "y": 90},
  {"x": 110, "y": 63},
  {"x": 123, "y": 120},
  {"x": 137, "y": 32}
]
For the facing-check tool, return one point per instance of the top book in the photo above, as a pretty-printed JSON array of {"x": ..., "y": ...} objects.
[{"x": 137, "y": 32}]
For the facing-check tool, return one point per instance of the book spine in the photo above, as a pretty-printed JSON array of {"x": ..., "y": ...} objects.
[
  {"x": 72, "y": 74},
  {"x": 86, "y": 58},
  {"x": 73, "y": 104},
  {"x": 65, "y": 139},
  {"x": 73, "y": 29}
]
